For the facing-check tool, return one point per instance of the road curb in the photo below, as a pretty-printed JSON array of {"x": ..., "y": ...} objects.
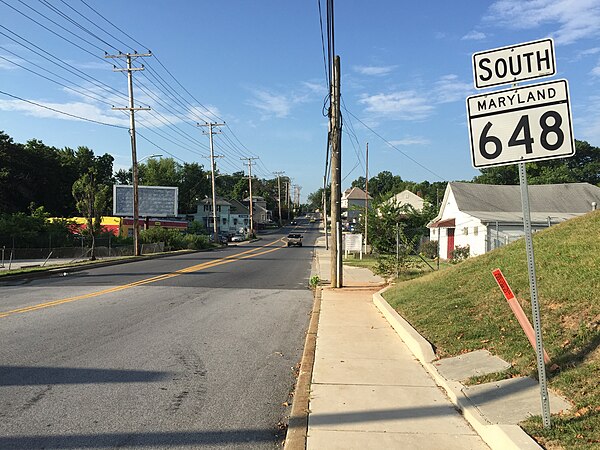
[
  {"x": 497, "y": 436},
  {"x": 298, "y": 422}
]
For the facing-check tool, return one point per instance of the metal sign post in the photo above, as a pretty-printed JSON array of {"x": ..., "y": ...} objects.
[{"x": 535, "y": 307}]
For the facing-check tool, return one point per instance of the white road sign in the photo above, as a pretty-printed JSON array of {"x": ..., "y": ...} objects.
[
  {"x": 515, "y": 63},
  {"x": 529, "y": 123}
]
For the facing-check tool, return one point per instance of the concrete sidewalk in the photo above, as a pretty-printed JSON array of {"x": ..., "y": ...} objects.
[{"x": 376, "y": 383}]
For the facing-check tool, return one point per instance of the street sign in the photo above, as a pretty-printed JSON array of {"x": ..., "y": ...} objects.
[
  {"x": 529, "y": 123},
  {"x": 514, "y": 63},
  {"x": 153, "y": 201}
]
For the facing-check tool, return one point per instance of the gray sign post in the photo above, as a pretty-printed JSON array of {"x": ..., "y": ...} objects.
[{"x": 535, "y": 306}]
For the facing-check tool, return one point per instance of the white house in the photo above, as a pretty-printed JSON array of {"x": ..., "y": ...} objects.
[
  {"x": 232, "y": 216},
  {"x": 353, "y": 201},
  {"x": 406, "y": 197},
  {"x": 485, "y": 216}
]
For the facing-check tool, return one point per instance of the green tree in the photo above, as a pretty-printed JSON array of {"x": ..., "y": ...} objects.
[
  {"x": 91, "y": 199},
  {"x": 583, "y": 167}
]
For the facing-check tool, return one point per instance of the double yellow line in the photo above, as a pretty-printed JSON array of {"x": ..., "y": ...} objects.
[{"x": 217, "y": 262}]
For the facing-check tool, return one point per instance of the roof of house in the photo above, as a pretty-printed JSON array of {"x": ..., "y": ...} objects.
[
  {"x": 502, "y": 203},
  {"x": 355, "y": 194},
  {"x": 238, "y": 207},
  {"x": 558, "y": 198},
  {"x": 220, "y": 201}
]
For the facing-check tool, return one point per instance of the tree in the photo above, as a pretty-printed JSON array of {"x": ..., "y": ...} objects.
[
  {"x": 583, "y": 167},
  {"x": 315, "y": 199},
  {"x": 91, "y": 200}
]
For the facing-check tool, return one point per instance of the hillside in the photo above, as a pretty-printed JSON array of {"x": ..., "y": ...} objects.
[{"x": 461, "y": 309}]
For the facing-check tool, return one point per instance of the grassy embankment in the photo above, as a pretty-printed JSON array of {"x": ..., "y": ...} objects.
[{"x": 461, "y": 308}]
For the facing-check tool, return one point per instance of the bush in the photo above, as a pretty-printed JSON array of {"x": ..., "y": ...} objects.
[
  {"x": 429, "y": 249},
  {"x": 173, "y": 239},
  {"x": 460, "y": 254},
  {"x": 196, "y": 241}
]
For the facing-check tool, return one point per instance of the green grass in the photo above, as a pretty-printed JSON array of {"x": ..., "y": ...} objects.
[{"x": 462, "y": 309}]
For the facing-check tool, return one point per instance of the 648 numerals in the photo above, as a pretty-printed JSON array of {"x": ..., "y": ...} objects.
[{"x": 551, "y": 137}]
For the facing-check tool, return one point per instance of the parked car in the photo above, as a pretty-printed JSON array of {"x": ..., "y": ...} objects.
[
  {"x": 294, "y": 239},
  {"x": 237, "y": 238},
  {"x": 222, "y": 239},
  {"x": 293, "y": 222}
]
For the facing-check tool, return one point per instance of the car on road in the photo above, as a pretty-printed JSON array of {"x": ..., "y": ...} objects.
[
  {"x": 293, "y": 222},
  {"x": 294, "y": 239},
  {"x": 237, "y": 238}
]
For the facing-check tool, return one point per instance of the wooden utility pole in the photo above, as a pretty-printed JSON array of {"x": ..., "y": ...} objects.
[
  {"x": 250, "y": 164},
  {"x": 325, "y": 212},
  {"x": 134, "y": 162},
  {"x": 366, "y": 198},
  {"x": 210, "y": 133},
  {"x": 336, "y": 179},
  {"x": 279, "y": 196}
]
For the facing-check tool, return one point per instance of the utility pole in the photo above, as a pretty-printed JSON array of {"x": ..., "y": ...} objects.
[
  {"x": 325, "y": 211},
  {"x": 210, "y": 133},
  {"x": 288, "y": 196},
  {"x": 250, "y": 164},
  {"x": 336, "y": 179},
  {"x": 366, "y": 198},
  {"x": 134, "y": 163},
  {"x": 279, "y": 195}
]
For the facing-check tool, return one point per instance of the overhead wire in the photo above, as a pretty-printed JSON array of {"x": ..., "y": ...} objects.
[
  {"x": 154, "y": 78},
  {"x": 396, "y": 148},
  {"x": 62, "y": 112}
]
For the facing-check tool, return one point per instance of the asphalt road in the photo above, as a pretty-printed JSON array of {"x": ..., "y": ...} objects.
[{"x": 192, "y": 351}]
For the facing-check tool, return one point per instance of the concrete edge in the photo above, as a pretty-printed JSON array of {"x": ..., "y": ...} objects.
[
  {"x": 295, "y": 438},
  {"x": 418, "y": 345},
  {"x": 496, "y": 436}
]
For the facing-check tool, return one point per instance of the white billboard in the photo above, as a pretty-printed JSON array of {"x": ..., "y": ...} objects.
[{"x": 153, "y": 201}]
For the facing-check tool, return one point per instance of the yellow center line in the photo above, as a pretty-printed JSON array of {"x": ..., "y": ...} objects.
[{"x": 217, "y": 262}]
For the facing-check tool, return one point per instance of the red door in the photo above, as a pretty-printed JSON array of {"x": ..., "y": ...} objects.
[{"x": 450, "y": 250}]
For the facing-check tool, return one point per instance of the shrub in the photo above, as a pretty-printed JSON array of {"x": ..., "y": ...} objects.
[
  {"x": 460, "y": 254},
  {"x": 173, "y": 239},
  {"x": 429, "y": 249},
  {"x": 196, "y": 241}
]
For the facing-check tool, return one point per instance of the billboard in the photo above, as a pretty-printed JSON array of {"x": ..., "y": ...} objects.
[{"x": 153, "y": 201}]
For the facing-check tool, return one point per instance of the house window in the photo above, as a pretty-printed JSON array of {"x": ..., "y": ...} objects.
[
  {"x": 475, "y": 231},
  {"x": 224, "y": 221},
  {"x": 466, "y": 231}
]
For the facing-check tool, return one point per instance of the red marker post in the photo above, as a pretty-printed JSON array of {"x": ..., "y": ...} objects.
[{"x": 517, "y": 310}]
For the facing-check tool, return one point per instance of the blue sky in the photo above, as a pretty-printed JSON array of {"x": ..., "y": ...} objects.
[{"x": 258, "y": 65}]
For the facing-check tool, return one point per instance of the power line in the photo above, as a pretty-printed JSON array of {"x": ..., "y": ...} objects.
[
  {"x": 395, "y": 148},
  {"x": 63, "y": 112}
]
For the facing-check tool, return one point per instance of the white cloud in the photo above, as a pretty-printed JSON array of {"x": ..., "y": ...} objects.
[
  {"x": 319, "y": 89},
  {"x": 576, "y": 19},
  {"x": 473, "y": 36},
  {"x": 407, "y": 141},
  {"x": 402, "y": 105},
  {"x": 270, "y": 104},
  {"x": 596, "y": 70},
  {"x": 450, "y": 89},
  {"x": 79, "y": 109},
  {"x": 374, "y": 70},
  {"x": 204, "y": 114}
]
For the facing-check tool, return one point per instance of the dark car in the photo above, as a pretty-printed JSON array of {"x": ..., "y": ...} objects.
[{"x": 293, "y": 222}]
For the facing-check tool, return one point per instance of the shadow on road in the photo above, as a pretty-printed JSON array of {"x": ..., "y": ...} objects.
[{"x": 33, "y": 376}]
